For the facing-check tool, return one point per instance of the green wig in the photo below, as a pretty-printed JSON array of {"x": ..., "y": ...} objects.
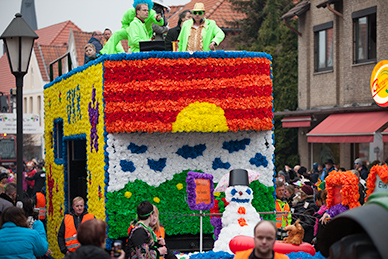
[{"x": 147, "y": 2}]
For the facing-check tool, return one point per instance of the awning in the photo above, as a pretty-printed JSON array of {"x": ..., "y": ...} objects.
[
  {"x": 296, "y": 122},
  {"x": 348, "y": 128},
  {"x": 385, "y": 135}
]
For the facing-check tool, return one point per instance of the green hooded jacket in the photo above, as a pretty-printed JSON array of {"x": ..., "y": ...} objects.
[{"x": 210, "y": 33}]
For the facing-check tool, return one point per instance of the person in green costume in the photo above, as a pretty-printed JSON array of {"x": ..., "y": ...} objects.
[
  {"x": 137, "y": 30},
  {"x": 128, "y": 17},
  {"x": 199, "y": 26}
]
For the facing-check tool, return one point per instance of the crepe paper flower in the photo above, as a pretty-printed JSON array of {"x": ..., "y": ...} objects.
[
  {"x": 241, "y": 210},
  {"x": 349, "y": 188},
  {"x": 248, "y": 93},
  {"x": 234, "y": 92},
  {"x": 156, "y": 199},
  {"x": 242, "y": 222},
  {"x": 71, "y": 109},
  {"x": 259, "y": 160},
  {"x": 179, "y": 186},
  {"x": 157, "y": 165},
  {"x": 128, "y": 195},
  {"x": 135, "y": 149},
  {"x": 217, "y": 224},
  {"x": 218, "y": 164},
  {"x": 191, "y": 152},
  {"x": 191, "y": 191},
  {"x": 236, "y": 145},
  {"x": 376, "y": 170},
  {"x": 337, "y": 209}
]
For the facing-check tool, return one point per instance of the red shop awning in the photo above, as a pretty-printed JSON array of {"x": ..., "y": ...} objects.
[
  {"x": 385, "y": 135},
  {"x": 296, "y": 122},
  {"x": 348, "y": 128}
]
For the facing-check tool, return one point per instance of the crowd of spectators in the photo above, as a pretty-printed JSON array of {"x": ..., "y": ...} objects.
[{"x": 301, "y": 194}]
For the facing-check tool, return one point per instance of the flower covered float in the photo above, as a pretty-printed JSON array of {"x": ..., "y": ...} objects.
[{"x": 145, "y": 121}]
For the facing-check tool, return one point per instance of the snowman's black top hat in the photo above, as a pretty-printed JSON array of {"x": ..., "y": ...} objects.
[{"x": 238, "y": 177}]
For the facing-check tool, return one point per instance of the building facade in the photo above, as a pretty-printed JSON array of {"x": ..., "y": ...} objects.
[{"x": 340, "y": 43}]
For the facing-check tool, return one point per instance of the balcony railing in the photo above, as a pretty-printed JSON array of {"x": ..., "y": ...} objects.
[{"x": 66, "y": 59}]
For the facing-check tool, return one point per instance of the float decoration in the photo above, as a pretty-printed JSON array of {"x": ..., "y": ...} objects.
[
  {"x": 239, "y": 217},
  {"x": 378, "y": 173},
  {"x": 89, "y": 102},
  {"x": 342, "y": 187},
  {"x": 199, "y": 191}
]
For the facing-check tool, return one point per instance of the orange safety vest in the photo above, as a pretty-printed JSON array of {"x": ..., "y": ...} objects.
[
  {"x": 283, "y": 217},
  {"x": 245, "y": 255},
  {"x": 41, "y": 205},
  {"x": 71, "y": 241}
]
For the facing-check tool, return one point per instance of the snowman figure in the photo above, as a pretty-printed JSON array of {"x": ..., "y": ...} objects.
[{"x": 239, "y": 217}]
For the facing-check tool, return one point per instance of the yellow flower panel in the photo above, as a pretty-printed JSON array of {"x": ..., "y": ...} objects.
[{"x": 69, "y": 100}]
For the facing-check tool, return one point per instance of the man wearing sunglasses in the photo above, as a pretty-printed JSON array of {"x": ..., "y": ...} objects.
[{"x": 199, "y": 33}]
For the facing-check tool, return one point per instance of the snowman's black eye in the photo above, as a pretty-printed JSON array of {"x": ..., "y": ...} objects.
[
  {"x": 249, "y": 191},
  {"x": 233, "y": 192}
]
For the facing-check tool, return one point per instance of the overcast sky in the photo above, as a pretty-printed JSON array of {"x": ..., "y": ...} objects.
[{"x": 88, "y": 15}]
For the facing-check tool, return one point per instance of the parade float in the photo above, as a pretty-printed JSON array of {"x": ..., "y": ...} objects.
[{"x": 129, "y": 127}]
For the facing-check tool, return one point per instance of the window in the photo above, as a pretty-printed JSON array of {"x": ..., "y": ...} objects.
[
  {"x": 323, "y": 35},
  {"x": 25, "y": 105},
  {"x": 364, "y": 35},
  {"x": 31, "y": 105},
  {"x": 58, "y": 138},
  {"x": 40, "y": 110}
]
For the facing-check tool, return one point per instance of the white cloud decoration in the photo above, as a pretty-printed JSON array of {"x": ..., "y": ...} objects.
[{"x": 175, "y": 152}]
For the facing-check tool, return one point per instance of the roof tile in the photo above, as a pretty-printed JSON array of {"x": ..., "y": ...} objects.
[
  {"x": 49, "y": 53},
  {"x": 57, "y": 34},
  {"x": 7, "y": 79}
]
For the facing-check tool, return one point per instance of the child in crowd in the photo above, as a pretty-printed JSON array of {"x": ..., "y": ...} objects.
[{"x": 90, "y": 52}]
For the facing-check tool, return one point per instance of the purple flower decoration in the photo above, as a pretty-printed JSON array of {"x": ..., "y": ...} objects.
[
  {"x": 217, "y": 224},
  {"x": 191, "y": 191},
  {"x": 337, "y": 209},
  {"x": 93, "y": 119}
]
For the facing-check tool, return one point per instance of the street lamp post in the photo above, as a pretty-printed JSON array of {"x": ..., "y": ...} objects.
[{"x": 19, "y": 39}]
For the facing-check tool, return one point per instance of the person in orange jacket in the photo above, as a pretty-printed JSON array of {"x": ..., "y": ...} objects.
[
  {"x": 281, "y": 206},
  {"x": 41, "y": 205},
  {"x": 67, "y": 234},
  {"x": 264, "y": 238}
]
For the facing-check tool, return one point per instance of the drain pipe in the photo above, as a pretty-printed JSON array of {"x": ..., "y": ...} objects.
[
  {"x": 292, "y": 28},
  {"x": 334, "y": 11}
]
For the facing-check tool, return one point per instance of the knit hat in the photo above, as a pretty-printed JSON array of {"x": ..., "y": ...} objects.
[{"x": 307, "y": 190}]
